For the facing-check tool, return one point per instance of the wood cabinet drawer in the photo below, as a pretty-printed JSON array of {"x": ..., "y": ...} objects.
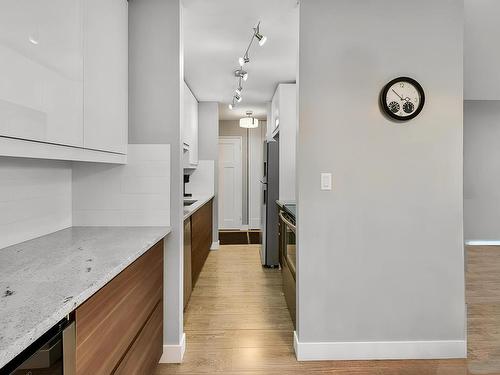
[
  {"x": 201, "y": 234},
  {"x": 143, "y": 356},
  {"x": 108, "y": 322}
]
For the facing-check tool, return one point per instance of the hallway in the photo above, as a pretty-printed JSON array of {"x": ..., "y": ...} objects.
[{"x": 237, "y": 323}]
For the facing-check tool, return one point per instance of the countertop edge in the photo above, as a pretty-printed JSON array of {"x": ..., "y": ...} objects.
[
  {"x": 200, "y": 202},
  {"x": 32, "y": 335}
]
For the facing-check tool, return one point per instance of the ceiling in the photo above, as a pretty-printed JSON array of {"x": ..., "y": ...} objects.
[{"x": 217, "y": 32}]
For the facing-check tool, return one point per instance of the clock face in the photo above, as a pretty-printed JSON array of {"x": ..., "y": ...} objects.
[{"x": 403, "y": 98}]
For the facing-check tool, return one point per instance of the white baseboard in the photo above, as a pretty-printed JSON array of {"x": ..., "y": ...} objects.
[
  {"x": 174, "y": 353},
  {"x": 215, "y": 245},
  {"x": 324, "y": 351},
  {"x": 482, "y": 243}
]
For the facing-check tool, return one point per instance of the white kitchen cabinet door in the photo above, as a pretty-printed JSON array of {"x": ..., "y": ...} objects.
[
  {"x": 190, "y": 124},
  {"x": 41, "y": 64},
  {"x": 193, "y": 151},
  {"x": 106, "y": 75},
  {"x": 186, "y": 115},
  {"x": 287, "y": 110}
]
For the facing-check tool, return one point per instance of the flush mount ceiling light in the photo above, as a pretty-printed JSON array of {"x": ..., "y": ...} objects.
[
  {"x": 241, "y": 74},
  {"x": 249, "y": 122}
]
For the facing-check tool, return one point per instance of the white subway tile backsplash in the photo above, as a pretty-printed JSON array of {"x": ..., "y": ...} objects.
[
  {"x": 35, "y": 198},
  {"x": 136, "y": 194}
]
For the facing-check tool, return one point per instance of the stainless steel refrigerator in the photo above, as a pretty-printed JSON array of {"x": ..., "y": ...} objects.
[{"x": 269, "y": 253}]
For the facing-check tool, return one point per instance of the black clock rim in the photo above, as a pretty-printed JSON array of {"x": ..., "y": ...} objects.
[{"x": 383, "y": 96}]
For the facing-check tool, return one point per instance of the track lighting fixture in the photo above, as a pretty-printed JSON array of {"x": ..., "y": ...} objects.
[{"x": 241, "y": 74}]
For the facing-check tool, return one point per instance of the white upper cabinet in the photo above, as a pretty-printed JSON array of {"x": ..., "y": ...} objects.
[
  {"x": 41, "y": 64},
  {"x": 64, "y": 79},
  {"x": 481, "y": 52},
  {"x": 284, "y": 118},
  {"x": 190, "y": 127},
  {"x": 106, "y": 75}
]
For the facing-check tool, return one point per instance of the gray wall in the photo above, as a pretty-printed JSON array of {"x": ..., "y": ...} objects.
[
  {"x": 208, "y": 149},
  {"x": 380, "y": 258},
  {"x": 482, "y": 170},
  {"x": 155, "y": 71}
]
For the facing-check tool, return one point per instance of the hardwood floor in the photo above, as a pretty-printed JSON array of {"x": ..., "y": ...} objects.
[{"x": 237, "y": 323}]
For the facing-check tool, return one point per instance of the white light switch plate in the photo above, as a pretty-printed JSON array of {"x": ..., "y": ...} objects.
[{"x": 326, "y": 181}]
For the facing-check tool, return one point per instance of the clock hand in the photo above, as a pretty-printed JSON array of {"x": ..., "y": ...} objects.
[{"x": 400, "y": 97}]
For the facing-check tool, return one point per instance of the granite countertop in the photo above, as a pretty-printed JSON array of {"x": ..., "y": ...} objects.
[
  {"x": 44, "y": 279},
  {"x": 200, "y": 202}
]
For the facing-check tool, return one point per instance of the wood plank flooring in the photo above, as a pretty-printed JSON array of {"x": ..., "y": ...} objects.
[{"x": 237, "y": 323}]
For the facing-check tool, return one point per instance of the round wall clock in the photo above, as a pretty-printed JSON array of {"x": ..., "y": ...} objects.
[{"x": 402, "y": 99}]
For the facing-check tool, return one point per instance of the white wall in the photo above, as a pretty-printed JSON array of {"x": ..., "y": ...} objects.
[
  {"x": 380, "y": 258},
  {"x": 35, "y": 198},
  {"x": 136, "y": 194},
  {"x": 481, "y": 55},
  {"x": 482, "y": 170}
]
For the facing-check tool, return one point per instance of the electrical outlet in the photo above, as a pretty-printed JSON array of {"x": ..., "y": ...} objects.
[{"x": 326, "y": 181}]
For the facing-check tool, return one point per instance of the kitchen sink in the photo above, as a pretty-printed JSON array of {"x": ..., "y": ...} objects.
[{"x": 189, "y": 202}]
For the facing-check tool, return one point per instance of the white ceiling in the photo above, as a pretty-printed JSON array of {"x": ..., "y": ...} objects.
[{"x": 217, "y": 32}]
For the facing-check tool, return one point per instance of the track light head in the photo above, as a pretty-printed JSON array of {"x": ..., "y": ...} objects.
[
  {"x": 261, "y": 38},
  {"x": 244, "y": 60},
  {"x": 231, "y": 106},
  {"x": 240, "y": 73},
  {"x": 238, "y": 97},
  {"x": 239, "y": 90}
]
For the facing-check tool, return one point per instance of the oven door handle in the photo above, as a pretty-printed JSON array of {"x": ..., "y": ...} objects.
[
  {"x": 288, "y": 223},
  {"x": 69, "y": 349}
]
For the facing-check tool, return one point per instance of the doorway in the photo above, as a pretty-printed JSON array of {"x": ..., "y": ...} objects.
[{"x": 230, "y": 183}]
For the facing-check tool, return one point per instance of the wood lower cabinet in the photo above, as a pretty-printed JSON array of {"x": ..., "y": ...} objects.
[
  {"x": 146, "y": 350},
  {"x": 188, "y": 281},
  {"x": 201, "y": 239},
  {"x": 120, "y": 328}
]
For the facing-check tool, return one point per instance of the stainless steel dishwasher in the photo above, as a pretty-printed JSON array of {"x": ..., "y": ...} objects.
[{"x": 51, "y": 354}]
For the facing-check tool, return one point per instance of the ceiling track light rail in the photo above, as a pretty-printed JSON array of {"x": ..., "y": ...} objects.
[{"x": 241, "y": 74}]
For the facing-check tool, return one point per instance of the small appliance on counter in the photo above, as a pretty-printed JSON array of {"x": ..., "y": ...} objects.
[{"x": 186, "y": 180}]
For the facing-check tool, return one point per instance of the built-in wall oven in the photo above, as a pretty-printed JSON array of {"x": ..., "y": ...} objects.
[
  {"x": 288, "y": 259},
  {"x": 51, "y": 354}
]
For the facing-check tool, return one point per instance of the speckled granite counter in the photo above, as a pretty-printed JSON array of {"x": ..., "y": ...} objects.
[
  {"x": 200, "y": 202},
  {"x": 43, "y": 280}
]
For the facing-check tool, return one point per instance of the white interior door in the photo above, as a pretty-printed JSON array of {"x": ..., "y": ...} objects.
[{"x": 230, "y": 183}]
